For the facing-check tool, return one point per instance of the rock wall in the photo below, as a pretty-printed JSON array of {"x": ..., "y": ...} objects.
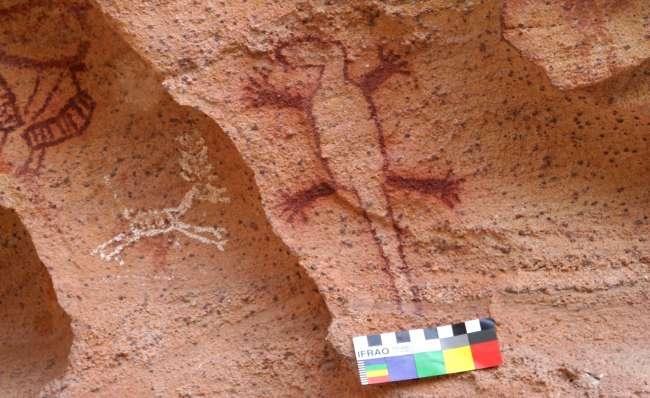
[
  {"x": 128, "y": 216},
  {"x": 224, "y": 193},
  {"x": 35, "y": 331}
]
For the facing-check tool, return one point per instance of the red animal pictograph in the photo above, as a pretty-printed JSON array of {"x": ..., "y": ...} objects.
[
  {"x": 349, "y": 141},
  {"x": 9, "y": 117},
  {"x": 55, "y": 108}
]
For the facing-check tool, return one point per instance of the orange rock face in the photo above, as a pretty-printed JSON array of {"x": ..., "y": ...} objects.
[
  {"x": 579, "y": 43},
  {"x": 223, "y": 194}
]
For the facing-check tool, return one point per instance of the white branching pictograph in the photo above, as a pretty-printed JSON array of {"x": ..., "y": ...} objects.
[{"x": 195, "y": 168}]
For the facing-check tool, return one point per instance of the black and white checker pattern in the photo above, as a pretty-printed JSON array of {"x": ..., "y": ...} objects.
[{"x": 428, "y": 339}]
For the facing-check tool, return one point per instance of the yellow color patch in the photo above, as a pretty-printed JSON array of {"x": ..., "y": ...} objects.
[
  {"x": 458, "y": 359},
  {"x": 377, "y": 373}
]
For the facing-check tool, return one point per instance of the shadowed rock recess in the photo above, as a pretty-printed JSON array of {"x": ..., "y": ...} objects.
[
  {"x": 223, "y": 193},
  {"x": 34, "y": 330}
]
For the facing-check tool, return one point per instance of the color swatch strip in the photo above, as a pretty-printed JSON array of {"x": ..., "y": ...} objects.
[{"x": 417, "y": 353}]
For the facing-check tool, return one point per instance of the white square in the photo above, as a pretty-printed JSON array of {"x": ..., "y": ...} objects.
[
  {"x": 360, "y": 343},
  {"x": 417, "y": 336},
  {"x": 388, "y": 339},
  {"x": 445, "y": 331},
  {"x": 473, "y": 326}
]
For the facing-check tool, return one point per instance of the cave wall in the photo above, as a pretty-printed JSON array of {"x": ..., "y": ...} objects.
[{"x": 224, "y": 193}]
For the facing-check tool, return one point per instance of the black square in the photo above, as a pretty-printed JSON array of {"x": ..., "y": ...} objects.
[
  {"x": 459, "y": 328},
  {"x": 402, "y": 336},
  {"x": 431, "y": 333},
  {"x": 487, "y": 323},
  {"x": 373, "y": 340}
]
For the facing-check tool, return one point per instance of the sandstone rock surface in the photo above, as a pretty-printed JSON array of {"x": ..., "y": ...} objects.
[
  {"x": 579, "y": 43},
  {"x": 222, "y": 194}
]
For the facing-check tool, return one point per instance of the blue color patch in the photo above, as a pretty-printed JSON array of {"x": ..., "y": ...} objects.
[{"x": 401, "y": 368}]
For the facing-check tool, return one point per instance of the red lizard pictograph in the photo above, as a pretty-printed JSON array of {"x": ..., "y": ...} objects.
[{"x": 344, "y": 123}]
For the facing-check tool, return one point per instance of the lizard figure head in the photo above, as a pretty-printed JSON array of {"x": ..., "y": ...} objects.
[{"x": 310, "y": 51}]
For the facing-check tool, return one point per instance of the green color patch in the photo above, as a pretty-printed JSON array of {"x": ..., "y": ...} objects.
[
  {"x": 381, "y": 366},
  {"x": 430, "y": 364}
]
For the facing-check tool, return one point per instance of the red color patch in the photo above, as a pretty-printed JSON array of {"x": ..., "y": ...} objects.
[
  {"x": 486, "y": 354},
  {"x": 376, "y": 380}
]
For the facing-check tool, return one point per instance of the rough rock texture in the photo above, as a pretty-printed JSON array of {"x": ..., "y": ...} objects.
[
  {"x": 579, "y": 42},
  {"x": 169, "y": 314},
  {"x": 418, "y": 168},
  {"x": 34, "y": 330}
]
